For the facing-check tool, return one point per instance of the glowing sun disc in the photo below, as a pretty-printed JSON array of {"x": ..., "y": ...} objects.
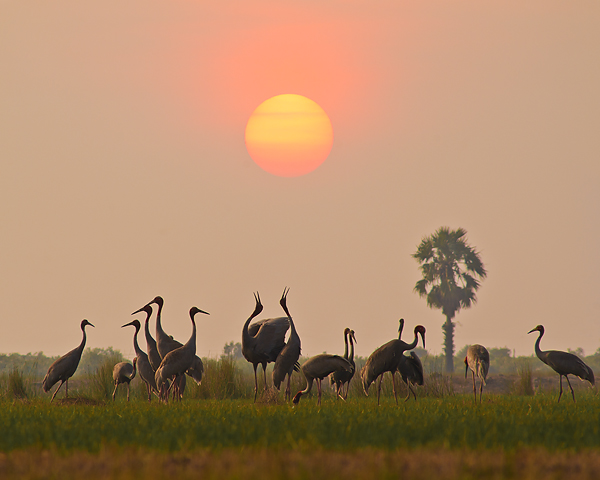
[{"x": 289, "y": 135}]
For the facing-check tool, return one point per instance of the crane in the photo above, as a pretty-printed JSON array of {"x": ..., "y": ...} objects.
[
  {"x": 123, "y": 372},
  {"x": 342, "y": 377},
  {"x": 143, "y": 363},
  {"x": 165, "y": 343},
  {"x": 153, "y": 356},
  {"x": 319, "y": 367},
  {"x": 563, "y": 363},
  {"x": 387, "y": 359},
  {"x": 411, "y": 372},
  {"x": 63, "y": 368},
  {"x": 410, "y": 368},
  {"x": 263, "y": 340},
  {"x": 175, "y": 363},
  {"x": 287, "y": 360},
  {"x": 478, "y": 360}
]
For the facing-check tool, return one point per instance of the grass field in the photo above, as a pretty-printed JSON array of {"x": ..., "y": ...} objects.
[{"x": 505, "y": 437}]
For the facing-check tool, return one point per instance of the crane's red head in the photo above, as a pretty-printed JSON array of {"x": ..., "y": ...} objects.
[
  {"x": 420, "y": 329},
  {"x": 135, "y": 323},
  {"x": 296, "y": 398},
  {"x": 539, "y": 328}
]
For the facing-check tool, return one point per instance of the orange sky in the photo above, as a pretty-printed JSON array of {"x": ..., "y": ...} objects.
[{"x": 125, "y": 174}]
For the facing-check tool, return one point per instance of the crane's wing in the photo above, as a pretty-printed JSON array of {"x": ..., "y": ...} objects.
[{"x": 270, "y": 335}]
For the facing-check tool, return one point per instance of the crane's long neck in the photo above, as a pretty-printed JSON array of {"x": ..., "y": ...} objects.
[
  {"x": 191, "y": 343},
  {"x": 351, "y": 349},
  {"x": 136, "y": 346},
  {"x": 245, "y": 334},
  {"x": 159, "y": 330},
  {"x": 538, "y": 350},
  {"x": 414, "y": 343},
  {"x": 82, "y": 344},
  {"x": 346, "y": 344},
  {"x": 132, "y": 376},
  {"x": 149, "y": 340}
]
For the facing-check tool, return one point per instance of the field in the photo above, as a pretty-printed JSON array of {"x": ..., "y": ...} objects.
[{"x": 518, "y": 432}]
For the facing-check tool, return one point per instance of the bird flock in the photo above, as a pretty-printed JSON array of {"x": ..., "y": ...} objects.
[{"x": 167, "y": 362}]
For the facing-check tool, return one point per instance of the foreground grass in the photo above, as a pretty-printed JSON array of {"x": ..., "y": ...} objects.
[
  {"x": 505, "y": 423},
  {"x": 267, "y": 464}
]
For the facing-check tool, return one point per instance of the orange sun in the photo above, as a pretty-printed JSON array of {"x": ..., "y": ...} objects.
[{"x": 289, "y": 135}]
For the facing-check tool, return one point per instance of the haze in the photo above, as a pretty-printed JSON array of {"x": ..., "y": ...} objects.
[{"x": 125, "y": 176}]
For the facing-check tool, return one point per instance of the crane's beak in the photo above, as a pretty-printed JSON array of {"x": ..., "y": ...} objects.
[
  {"x": 140, "y": 310},
  {"x": 127, "y": 324},
  {"x": 534, "y": 330},
  {"x": 353, "y": 338}
]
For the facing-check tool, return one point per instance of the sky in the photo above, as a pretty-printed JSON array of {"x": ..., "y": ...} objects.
[{"x": 124, "y": 173}]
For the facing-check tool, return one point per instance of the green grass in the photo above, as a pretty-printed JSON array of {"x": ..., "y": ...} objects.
[{"x": 502, "y": 422}]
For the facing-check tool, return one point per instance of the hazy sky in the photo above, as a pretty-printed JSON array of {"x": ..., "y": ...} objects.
[{"x": 124, "y": 173}]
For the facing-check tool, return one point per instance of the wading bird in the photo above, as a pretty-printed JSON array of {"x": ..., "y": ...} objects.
[
  {"x": 263, "y": 340},
  {"x": 175, "y": 363},
  {"x": 153, "y": 356},
  {"x": 143, "y": 363},
  {"x": 563, "y": 363},
  {"x": 287, "y": 360},
  {"x": 166, "y": 343},
  {"x": 123, "y": 372},
  {"x": 319, "y": 367},
  {"x": 343, "y": 377},
  {"x": 478, "y": 360},
  {"x": 64, "y": 368},
  {"x": 411, "y": 371},
  {"x": 387, "y": 359}
]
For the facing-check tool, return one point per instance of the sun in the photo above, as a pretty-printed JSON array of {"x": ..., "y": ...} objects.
[{"x": 289, "y": 135}]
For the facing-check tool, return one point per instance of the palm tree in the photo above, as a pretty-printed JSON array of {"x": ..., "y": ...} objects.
[{"x": 452, "y": 271}]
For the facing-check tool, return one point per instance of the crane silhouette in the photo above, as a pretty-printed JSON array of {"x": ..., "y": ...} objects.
[
  {"x": 63, "y": 368},
  {"x": 287, "y": 360},
  {"x": 340, "y": 378},
  {"x": 166, "y": 343},
  {"x": 123, "y": 372},
  {"x": 478, "y": 360},
  {"x": 410, "y": 368},
  {"x": 263, "y": 340},
  {"x": 319, "y": 367},
  {"x": 143, "y": 363},
  {"x": 153, "y": 356},
  {"x": 387, "y": 359},
  {"x": 175, "y": 363},
  {"x": 563, "y": 363},
  {"x": 411, "y": 372}
]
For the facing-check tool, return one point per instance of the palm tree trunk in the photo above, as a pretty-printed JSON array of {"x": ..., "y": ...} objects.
[{"x": 448, "y": 329}]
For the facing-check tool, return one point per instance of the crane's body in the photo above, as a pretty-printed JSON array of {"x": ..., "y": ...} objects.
[
  {"x": 341, "y": 378},
  {"x": 166, "y": 343},
  {"x": 411, "y": 372},
  {"x": 175, "y": 363},
  {"x": 143, "y": 363},
  {"x": 387, "y": 358},
  {"x": 287, "y": 360},
  {"x": 123, "y": 372},
  {"x": 319, "y": 367},
  {"x": 64, "y": 368},
  {"x": 563, "y": 363},
  {"x": 478, "y": 360},
  {"x": 263, "y": 340}
]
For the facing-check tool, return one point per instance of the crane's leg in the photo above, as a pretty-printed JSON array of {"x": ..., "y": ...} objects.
[
  {"x": 127, "y": 391},
  {"x": 288, "y": 391},
  {"x": 255, "y": 382},
  {"x": 560, "y": 391},
  {"x": 149, "y": 392},
  {"x": 413, "y": 392},
  {"x": 319, "y": 388},
  {"x": 480, "y": 391},
  {"x": 394, "y": 386},
  {"x": 115, "y": 391},
  {"x": 67, "y": 388},
  {"x": 474, "y": 387},
  {"x": 264, "y": 365},
  {"x": 572, "y": 392},
  {"x": 56, "y": 391}
]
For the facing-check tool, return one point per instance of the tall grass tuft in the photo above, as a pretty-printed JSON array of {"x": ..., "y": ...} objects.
[
  {"x": 16, "y": 385},
  {"x": 221, "y": 380},
  {"x": 102, "y": 384},
  {"x": 438, "y": 385},
  {"x": 524, "y": 384}
]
